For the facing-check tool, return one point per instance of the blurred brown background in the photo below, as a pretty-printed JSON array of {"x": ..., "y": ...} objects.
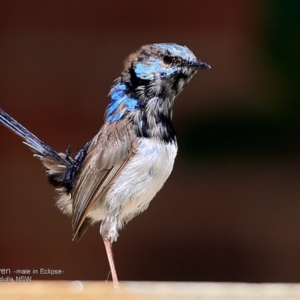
[{"x": 231, "y": 208}]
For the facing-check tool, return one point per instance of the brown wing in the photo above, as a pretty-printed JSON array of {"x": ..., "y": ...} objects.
[{"x": 107, "y": 155}]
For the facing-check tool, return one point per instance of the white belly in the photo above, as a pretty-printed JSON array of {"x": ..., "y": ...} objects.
[{"x": 139, "y": 181}]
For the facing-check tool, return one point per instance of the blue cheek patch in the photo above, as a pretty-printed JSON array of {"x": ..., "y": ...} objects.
[
  {"x": 146, "y": 71},
  {"x": 120, "y": 103}
]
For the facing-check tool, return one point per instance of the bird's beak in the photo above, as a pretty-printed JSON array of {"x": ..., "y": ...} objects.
[{"x": 200, "y": 65}]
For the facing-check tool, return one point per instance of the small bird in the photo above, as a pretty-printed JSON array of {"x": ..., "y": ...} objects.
[{"x": 117, "y": 173}]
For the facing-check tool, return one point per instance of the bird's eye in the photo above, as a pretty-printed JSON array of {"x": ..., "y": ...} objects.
[{"x": 167, "y": 59}]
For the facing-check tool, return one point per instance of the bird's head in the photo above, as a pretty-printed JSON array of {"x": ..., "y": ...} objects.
[
  {"x": 153, "y": 76},
  {"x": 160, "y": 70}
]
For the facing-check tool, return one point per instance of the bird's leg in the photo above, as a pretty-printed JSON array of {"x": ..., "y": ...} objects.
[
  {"x": 108, "y": 248},
  {"x": 109, "y": 233}
]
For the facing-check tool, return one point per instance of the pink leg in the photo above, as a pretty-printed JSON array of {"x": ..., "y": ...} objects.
[{"x": 108, "y": 248}]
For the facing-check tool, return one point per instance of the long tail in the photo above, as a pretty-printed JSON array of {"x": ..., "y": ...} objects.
[
  {"x": 40, "y": 149},
  {"x": 60, "y": 167}
]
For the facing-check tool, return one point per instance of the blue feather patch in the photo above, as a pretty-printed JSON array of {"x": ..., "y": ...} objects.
[
  {"x": 120, "y": 103},
  {"x": 147, "y": 71}
]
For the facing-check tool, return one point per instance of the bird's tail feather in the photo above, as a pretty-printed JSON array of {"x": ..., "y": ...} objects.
[
  {"x": 35, "y": 144},
  {"x": 56, "y": 163}
]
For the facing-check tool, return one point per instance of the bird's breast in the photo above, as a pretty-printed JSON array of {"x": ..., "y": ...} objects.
[{"x": 142, "y": 177}]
